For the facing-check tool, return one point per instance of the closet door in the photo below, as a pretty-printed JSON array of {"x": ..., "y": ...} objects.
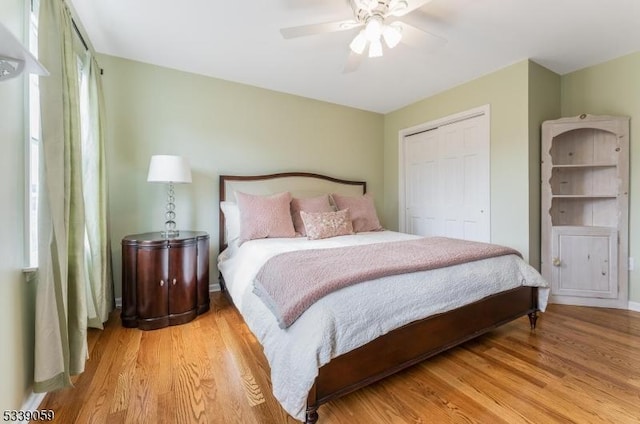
[
  {"x": 447, "y": 181},
  {"x": 422, "y": 192}
]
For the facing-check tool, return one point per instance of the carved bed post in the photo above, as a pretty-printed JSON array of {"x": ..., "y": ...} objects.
[
  {"x": 312, "y": 405},
  {"x": 533, "y": 318},
  {"x": 312, "y": 415}
]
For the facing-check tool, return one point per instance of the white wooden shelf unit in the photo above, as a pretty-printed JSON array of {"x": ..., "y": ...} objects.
[{"x": 585, "y": 209}]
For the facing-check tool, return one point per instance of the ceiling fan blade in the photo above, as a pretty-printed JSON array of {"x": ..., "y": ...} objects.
[
  {"x": 305, "y": 30},
  {"x": 419, "y": 38},
  {"x": 353, "y": 62},
  {"x": 411, "y": 6}
]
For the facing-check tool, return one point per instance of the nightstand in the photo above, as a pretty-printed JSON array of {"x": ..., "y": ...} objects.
[{"x": 165, "y": 281}]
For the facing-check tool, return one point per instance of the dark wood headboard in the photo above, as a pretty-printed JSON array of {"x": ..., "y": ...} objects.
[{"x": 300, "y": 184}]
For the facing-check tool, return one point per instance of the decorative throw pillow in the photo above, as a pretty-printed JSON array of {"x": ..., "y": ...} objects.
[
  {"x": 310, "y": 204},
  {"x": 319, "y": 225},
  {"x": 231, "y": 221},
  {"x": 362, "y": 209},
  {"x": 264, "y": 216}
]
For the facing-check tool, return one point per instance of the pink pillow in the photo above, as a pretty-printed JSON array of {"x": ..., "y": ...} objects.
[
  {"x": 311, "y": 204},
  {"x": 264, "y": 216},
  {"x": 362, "y": 209},
  {"x": 321, "y": 225}
]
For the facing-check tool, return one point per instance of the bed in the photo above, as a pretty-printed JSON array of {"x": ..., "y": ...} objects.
[{"x": 335, "y": 347}]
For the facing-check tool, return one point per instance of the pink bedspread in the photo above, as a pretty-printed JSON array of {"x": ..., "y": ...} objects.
[{"x": 290, "y": 282}]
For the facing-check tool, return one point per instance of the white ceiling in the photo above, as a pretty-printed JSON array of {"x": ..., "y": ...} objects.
[{"x": 239, "y": 40}]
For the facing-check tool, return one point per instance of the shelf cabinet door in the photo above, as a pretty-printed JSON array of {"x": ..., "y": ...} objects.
[
  {"x": 585, "y": 262},
  {"x": 152, "y": 282},
  {"x": 182, "y": 279}
]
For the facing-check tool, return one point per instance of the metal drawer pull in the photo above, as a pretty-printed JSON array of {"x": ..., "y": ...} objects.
[
  {"x": 161, "y": 283},
  {"x": 174, "y": 281},
  {"x": 556, "y": 262}
]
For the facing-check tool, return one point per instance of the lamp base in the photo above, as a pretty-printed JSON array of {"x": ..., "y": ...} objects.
[{"x": 169, "y": 233}]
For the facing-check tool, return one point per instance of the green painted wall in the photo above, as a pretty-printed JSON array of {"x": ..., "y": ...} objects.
[
  {"x": 16, "y": 295},
  {"x": 222, "y": 127},
  {"x": 544, "y": 104},
  {"x": 613, "y": 88},
  {"x": 506, "y": 91}
]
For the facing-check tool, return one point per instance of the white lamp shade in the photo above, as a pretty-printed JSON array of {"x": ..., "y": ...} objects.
[{"x": 169, "y": 169}]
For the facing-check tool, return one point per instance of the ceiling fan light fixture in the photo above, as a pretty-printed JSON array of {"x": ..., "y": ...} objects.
[
  {"x": 397, "y": 6},
  {"x": 373, "y": 29},
  {"x": 358, "y": 43},
  {"x": 375, "y": 48},
  {"x": 392, "y": 35}
]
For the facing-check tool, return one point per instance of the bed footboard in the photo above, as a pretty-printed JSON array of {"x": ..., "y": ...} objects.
[{"x": 407, "y": 345}]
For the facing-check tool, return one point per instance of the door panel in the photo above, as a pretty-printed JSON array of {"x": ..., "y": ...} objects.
[
  {"x": 585, "y": 262},
  {"x": 422, "y": 207},
  {"x": 182, "y": 278},
  {"x": 447, "y": 181},
  {"x": 152, "y": 286}
]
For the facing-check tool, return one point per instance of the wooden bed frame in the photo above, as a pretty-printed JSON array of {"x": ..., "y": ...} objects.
[{"x": 404, "y": 346}]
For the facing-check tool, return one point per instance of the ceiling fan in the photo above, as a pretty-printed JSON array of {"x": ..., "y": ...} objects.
[{"x": 379, "y": 20}]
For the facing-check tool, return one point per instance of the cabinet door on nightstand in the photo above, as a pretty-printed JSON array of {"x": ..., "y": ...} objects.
[
  {"x": 182, "y": 278},
  {"x": 153, "y": 287}
]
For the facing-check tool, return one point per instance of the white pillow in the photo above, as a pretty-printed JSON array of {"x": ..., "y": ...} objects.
[{"x": 231, "y": 221}]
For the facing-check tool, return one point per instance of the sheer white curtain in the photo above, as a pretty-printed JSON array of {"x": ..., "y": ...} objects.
[
  {"x": 74, "y": 288},
  {"x": 94, "y": 181}
]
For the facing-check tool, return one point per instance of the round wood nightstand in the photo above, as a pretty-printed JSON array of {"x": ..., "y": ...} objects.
[{"x": 165, "y": 281}]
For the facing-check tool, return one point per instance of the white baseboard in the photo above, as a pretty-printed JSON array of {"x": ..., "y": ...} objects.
[
  {"x": 634, "y": 306},
  {"x": 32, "y": 403}
]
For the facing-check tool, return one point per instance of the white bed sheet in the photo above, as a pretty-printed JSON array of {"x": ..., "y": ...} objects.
[{"x": 355, "y": 315}]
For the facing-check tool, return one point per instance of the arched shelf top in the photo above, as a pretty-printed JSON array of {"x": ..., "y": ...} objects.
[
  {"x": 613, "y": 124},
  {"x": 587, "y": 127}
]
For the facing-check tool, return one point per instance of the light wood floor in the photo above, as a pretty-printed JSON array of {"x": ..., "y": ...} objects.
[{"x": 581, "y": 365}]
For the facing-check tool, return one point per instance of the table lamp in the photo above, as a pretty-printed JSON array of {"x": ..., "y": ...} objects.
[{"x": 172, "y": 170}]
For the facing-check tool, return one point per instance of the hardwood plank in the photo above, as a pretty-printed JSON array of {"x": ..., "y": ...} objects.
[
  {"x": 621, "y": 389},
  {"x": 126, "y": 374},
  {"x": 580, "y": 365},
  {"x": 143, "y": 400},
  {"x": 477, "y": 388},
  {"x": 186, "y": 392}
]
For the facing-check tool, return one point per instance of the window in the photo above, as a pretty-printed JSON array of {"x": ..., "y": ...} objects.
[
  {"x": 33, "y": 165},
  {"x": 34, "y": 132},
  {"x": 33, "y": 147}
]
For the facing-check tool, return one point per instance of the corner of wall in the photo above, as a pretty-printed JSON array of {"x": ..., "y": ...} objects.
[{"x": 543, "y": 104}]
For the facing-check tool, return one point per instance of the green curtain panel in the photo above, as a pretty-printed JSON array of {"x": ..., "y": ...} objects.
[{"x": 74, "y": 288}]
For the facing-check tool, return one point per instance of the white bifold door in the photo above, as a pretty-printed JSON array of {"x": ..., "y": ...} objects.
[{"x": 447, "y": 180}]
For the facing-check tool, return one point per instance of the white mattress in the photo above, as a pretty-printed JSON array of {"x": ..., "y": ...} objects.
[{"x": 351, "y": 317}]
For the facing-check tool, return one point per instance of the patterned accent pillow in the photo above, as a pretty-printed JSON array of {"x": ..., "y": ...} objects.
[
  {"x": 264, "y": 216},
  {"x": 320, "y": 225},
  {"x": 363, "y": 211},
  {"x": 310, "y": 204}
]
